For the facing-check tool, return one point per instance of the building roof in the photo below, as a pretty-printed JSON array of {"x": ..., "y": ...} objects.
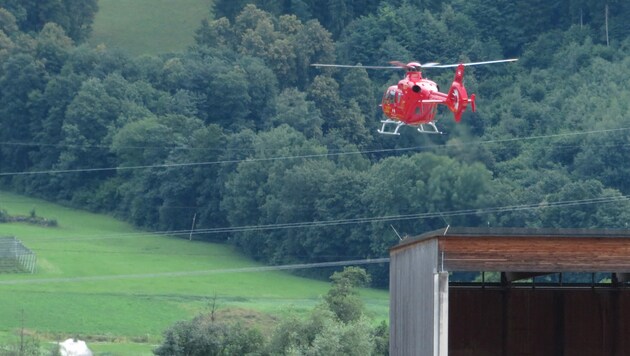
[{"x": 528, "y": 249}]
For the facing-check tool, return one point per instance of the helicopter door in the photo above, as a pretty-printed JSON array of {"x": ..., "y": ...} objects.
[
  {"x": 417, "y": 111},
  {"x": 390, "y": 99}
]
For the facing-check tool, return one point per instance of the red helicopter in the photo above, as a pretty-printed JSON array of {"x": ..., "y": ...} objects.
[{"x": 414, "y": 100}]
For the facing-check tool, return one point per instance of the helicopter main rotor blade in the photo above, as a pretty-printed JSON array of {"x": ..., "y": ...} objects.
[
  {"x": 401, "y": 65},
  {"x": 430, "y": 64},
  {"x": 353, "y": 66},
  {"x": 406, "y": 66},
  {"x": 475, "y": 63}
]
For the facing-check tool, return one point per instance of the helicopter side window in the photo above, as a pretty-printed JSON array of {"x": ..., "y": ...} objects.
[
  {"x": 398, "y": 97},
  {"x": 390, "y": 96}
]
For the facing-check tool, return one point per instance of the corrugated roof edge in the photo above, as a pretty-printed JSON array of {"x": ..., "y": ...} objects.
[{"x": 513, "y": 232}]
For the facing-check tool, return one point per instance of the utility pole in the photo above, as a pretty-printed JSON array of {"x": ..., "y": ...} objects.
[
  {"x": 607, "y": 43},
  {"x": 192, "y": 228}
]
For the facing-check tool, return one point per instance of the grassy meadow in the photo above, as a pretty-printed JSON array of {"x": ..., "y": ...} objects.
[
  {"x": 148, "y": 26},
  {"x": 101, "y": 279}
]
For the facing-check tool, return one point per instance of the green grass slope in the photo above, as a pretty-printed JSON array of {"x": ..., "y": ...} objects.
[
  {"x": 148, "y": 26},
  {"x": 97, "y": 276}
]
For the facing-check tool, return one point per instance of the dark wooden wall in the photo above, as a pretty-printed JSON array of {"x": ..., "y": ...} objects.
[
  {"x": 535, "y": 254},
  {"x": 558, "y": 322}
]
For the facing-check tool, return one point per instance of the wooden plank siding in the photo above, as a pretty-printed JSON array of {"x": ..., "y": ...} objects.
[{"x": 535, "y": 254}]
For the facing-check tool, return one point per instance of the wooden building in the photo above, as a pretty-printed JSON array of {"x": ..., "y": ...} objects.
[{"x": 430, "y": 316}]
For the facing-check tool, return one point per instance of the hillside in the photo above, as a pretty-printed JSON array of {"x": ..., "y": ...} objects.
[
  {"x": 241, "y": 131},
  {"x": 100, "y": 278},
  {"x": 148, "y": 26},
  {"x": 281, "y": 161}
]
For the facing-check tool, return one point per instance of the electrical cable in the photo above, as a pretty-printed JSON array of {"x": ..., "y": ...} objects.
[
  {"x": 387, "y": 218},
  {"x": 196, "y": 273},
  {"x": 308, "y": 156},
  {"x": 185, "y": 148}
]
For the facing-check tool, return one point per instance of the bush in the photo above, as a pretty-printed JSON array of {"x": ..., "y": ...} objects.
[
  {"x": 205, "y": 336},
  {"x": 343, "y": 298}
]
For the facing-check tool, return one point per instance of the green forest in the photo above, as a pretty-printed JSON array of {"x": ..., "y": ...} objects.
[{"x": 240, "y": 134}]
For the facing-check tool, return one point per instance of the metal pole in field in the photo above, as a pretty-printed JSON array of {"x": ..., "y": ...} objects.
[
  {"x": 15, "y": 252},
  {"x": 606, "y": 15},
  {"x": 192, "y": 228}
]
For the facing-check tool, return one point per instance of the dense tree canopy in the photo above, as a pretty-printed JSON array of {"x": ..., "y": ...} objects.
[
  {"x": 74, "y": 16},
  {"x": 282, "y": 159}
]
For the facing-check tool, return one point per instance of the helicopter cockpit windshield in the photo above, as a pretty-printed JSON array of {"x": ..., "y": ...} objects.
[{"x": 391, "y": 96}]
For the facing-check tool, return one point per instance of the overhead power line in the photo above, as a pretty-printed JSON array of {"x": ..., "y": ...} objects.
[
  {"x": 481, "y": 211},
  {"x": 189, "y": 148},
  {"x": 372, "y": 219},
  {"x": 196, "y": 273},
  {"x": 309, "y": 156}
]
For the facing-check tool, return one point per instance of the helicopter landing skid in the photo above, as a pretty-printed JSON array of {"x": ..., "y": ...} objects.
[
  {"x": 432, "y": 129},
  {"x": 428, "y": 128},
  {"x": 386, "y": 123}
]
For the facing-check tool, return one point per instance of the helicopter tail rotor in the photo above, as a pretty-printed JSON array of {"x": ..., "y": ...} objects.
[{"x": 457, "y": 98}]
